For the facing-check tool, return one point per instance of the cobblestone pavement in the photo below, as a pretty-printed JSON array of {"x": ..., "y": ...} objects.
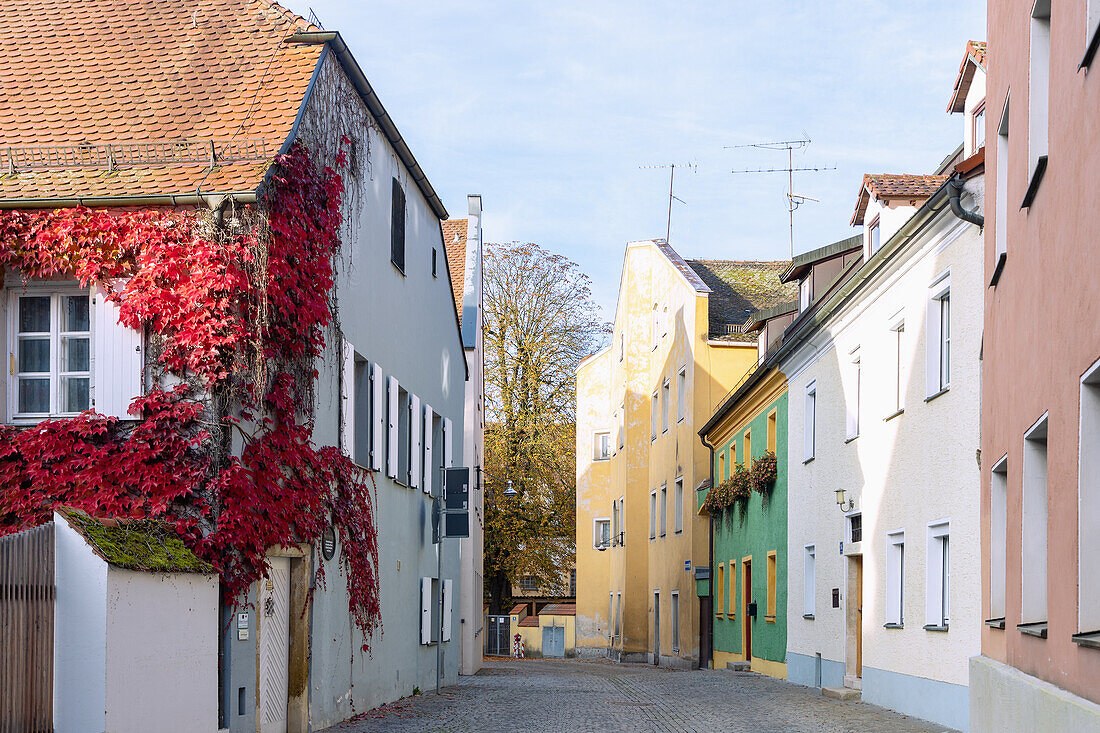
[{"x": 561, "y": 696}]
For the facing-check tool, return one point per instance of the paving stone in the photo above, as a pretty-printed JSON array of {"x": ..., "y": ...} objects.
[{"x": 555, "y": 695}]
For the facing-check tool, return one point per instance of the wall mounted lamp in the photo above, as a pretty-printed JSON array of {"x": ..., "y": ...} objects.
[{"x": 841, "y": 503}]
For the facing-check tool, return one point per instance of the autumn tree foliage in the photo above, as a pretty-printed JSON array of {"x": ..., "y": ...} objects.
[
  {"x": 236, "y": 315},
  {"x": 540, "y": 322}
]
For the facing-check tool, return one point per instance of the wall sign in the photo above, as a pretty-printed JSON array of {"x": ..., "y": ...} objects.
[{"x": 328, "y": 543}]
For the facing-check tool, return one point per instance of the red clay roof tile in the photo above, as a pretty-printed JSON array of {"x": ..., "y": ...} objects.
[
  {"x": 887, "y": 186},
  {"x": 454, "y": 239}
]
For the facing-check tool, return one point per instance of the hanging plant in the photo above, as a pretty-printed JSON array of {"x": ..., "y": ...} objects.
[
  {"x": 730, "y": 492},
  {"x": 764, "y": 472}
]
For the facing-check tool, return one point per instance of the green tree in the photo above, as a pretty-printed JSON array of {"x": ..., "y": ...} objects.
[{"x": 540, "y": 322}]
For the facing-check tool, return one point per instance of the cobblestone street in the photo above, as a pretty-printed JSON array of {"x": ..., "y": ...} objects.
[{"x": 538, "y": 695}]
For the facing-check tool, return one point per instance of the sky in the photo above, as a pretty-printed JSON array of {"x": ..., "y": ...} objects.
[{"x": 552, "y": 111}]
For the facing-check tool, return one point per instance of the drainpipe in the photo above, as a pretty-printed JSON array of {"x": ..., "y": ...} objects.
[
  {"x": 955, "y": 189},
  {"x": 710, "y": 563}
]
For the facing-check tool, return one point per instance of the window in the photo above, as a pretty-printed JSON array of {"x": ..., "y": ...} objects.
[
  {"x": 622, "y": 424},
  {"x": 393, "y": 411},
  {"x": 52, "y": 353},
  {"x": 852, "y": 399},
  {"x": 1033, "y": 546},
  {"x": 654, "y": 326},
  {"x": 1088, "y": 509},
  {"x": 622, "y": 345},
  {"x": 678, "y": 512},
  {"x": 895, "y": 579},
  {"x": 675, "y": 621},
  {"x": 616, "y": 523},
  {"x": 721, "y": 467},
  {"x": 618, "y": 613},
  {"x": 804, "y": 294},
  {"x": 573, "y": 583},
  {"x": 937, "y": 598},
  {"x": 809, "y": 559},
  {"x": 874, "y": 235},
  {"x": 601, "y": 533},
  {"x": 1038, "y": 97},
  {"x": 681, "y": 394},
  {"x": 611, "y": 615},
  {"x": 397, "y": 226},
  {"x": 664, "y": 509},
  {"x": 731, "y": 607},
  {"x": 720, "y": 590},
  {"x": 654, "y": 416},
  {"x": 404, "y": 432},
  {"x": 809, "y": 418},
  {"x": 653, "y": 515},
  {"x": 435, "y": 264},
  {"x": 528, "y": 584},
  {"x": 938, "y": 339},
  {"x": 898, "y": 336},
  {"x": 1092, "y": 30},
  {"x": 998, "y": 532},
  {"x": 772, "y": 570},
  {"x": 665, "y": 398},
  {"x": 855, "y": 528},
  {"x": 1001, "y": 223},
  {"x": 772, "y": 430},
  {"x": 746, "y": 456},
  {"x": 603, "y": 446},
  {"x": 977, "y": 127}
]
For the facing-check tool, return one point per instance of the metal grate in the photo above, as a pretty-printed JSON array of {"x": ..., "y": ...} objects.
[{"x": 134, "y": 153}]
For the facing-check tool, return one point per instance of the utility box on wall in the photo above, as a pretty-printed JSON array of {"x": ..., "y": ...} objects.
[{"x": 135, "y": 629}]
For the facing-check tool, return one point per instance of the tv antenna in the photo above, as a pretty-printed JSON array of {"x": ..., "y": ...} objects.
[
  {"x": 671, "y": 180},
  {"x": 794, "y": 200}
]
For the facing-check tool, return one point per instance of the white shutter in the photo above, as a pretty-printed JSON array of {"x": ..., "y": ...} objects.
[
  {"x": 429, "y": 469},
  {"x": 414, "y": 442},
  {"x": 118, "y": 360},
  {"x": 393, "y": 393},
  {"x": 448, "y": 457},
  {"x": 932, "y": 349},
  {"x": 425, "y": 610},
  {"x": 347, "y": 400},
  {"x": 446, "y": 610},
  {"x": 378, "y": 417}
]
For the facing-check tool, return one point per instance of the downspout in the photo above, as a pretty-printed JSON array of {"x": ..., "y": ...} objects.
[
  {"x": 954, "y": 192},
  {"x": 710, "y": 564}
]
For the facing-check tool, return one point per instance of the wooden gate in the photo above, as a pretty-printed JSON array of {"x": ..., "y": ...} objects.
[{"x": 26, "y": 631}]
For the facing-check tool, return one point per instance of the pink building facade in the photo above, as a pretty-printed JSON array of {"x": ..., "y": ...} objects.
[{"x": 1040, "y": 451}]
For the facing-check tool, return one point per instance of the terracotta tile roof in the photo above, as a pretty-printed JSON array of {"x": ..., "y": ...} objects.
[
  {"x": 559, "y": 609},
  {"x": 739, "y": 289},
  {"x": 518, "y": 609},
  {"x": 454, "y": 239},
  {"x": 109, "y": 71},
  {"x": 887, "y": 186},
  {"x": 528, "y": 621},
  {"x": 974, "y": 58}
]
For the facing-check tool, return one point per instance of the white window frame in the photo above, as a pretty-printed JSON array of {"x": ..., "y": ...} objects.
[
  {"x": 654, "y": 326},
  {"x": 597, "y": 539},
  {"x": 675, "y": 619},
  {"x": 664, "y": 509},
  {"x": 1088, "y": 498},
  {"x": 938, "y": 344},
  {"x": 654, "y": 415},
  {"x": 1038, "y": 89},
  {"x": 998, "y": 537},
  {"x": 1001, "y": 221},
  {"x": 622, "y": 424},
  {"x": 1034, "y": 511},
  {"x": 678, "y": 498},
  {"x": 809, "y": 419},
  {"x": 897, "y": 330},
  {"x": 653, "y": 515},
  {"x": 851, "y": 400},
  {"x": 598, "y": 453},
  {"x": 805, "y": 293},
  {"x": 809, "y": 580},
  {"x": 681, "y": 394},
  {"x": 1092, "y": 21},
  {"x": 937, "y": 591},
  {"x": 55, "y": 294},
  {"x": 666, "y": 397},
  {"x": 895, "y": 578}
]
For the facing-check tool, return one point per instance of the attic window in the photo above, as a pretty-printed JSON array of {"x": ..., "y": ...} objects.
[
  {"x": 874, "y": 235},
  {"x": 397, "y": 227},
  {"x": 435, "y": 262}
]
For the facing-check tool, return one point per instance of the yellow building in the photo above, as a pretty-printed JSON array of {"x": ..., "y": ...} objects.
[{"x": 677, "y": 349}]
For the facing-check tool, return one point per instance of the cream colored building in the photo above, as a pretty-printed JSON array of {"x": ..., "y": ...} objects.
[{"x": 676, "y": 351}]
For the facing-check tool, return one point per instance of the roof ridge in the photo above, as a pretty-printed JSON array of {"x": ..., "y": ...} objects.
[{"x": 296, "y": 20}]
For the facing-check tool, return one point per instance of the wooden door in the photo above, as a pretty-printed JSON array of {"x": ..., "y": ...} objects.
[
  {"x": 746, "y": 599},
  {"x": 859, "y": 616},
  {"x": 274, "y": 661},
  {"x": 656, "y": 628}
]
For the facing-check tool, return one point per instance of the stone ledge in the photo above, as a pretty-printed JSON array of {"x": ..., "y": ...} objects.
[
  {"x": 841, "y": 693},
  {"x": 738, "y": 666}
]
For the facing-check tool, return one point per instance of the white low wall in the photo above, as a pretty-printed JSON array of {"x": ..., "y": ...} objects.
[{"x": 1002, "y": 698}]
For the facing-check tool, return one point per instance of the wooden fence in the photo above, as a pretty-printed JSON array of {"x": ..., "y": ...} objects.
[{"x": 26, "y": 631}]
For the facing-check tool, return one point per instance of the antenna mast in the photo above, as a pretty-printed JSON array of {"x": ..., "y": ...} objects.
[
  {"x": 671, "y": 181},
  {"x": 794, "y": 200}
]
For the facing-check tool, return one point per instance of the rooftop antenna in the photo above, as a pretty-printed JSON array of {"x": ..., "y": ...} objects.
[
  {"x": 671, "y": 180},
  {"x": 794, "y": 200},
  {"x": 314, "y": 20}
]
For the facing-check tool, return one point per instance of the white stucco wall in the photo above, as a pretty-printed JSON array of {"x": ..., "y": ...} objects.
[
  {"x": 80, "y": 634},
  {"x": 902, "y": 473},
  {"x": 162, "y": 652}
]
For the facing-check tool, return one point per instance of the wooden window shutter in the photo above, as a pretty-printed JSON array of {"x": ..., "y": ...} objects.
[
  {"x": 378, "y": 417},
  {"x": 429, "y": 469},
  {"x": 414, "y": 442},
  {"x": 425, "y": 610},
  {"x": 118, "y": 360},
  {"x": 392, "y": 442},
  {"x": 397, "y": 227},
  {"x": 446, "y": 610}
]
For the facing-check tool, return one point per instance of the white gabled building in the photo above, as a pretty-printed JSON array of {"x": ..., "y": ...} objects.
[{"x": 883, "y": 367}]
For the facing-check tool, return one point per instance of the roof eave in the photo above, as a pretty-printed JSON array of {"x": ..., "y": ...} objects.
[{"x": 211, "y": 198}]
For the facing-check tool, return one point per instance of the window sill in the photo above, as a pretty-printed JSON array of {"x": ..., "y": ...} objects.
[
  {"x": 895, "y": 626},
  {"x": 936, "y": 627},
  {"x": 995, "y": 623},
  {"x": 769, "y": 619},
  {"x": 601, "y": 460},
  {"x": 1087, "y": 638},
  {"x": 731, "y": 616},
  {"x": 1036, "y": 179},
  {"x": 849, "y": 440},
  {"x": 807, "y": 460},
  {"x": 892, "y": 415},
  {"x": 679, "y": 531},
  {"x": 1090, "y": 50},
  {"x": 399, "y": 268},
  {"x": 997, "y": 268},
  {"x": 808, "y": 616},
  {"x": 1038, "y": 629},
  {"x": 933, "y": 396}
]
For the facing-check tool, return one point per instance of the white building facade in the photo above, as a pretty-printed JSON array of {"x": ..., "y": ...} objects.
[{"x": 884, "y": 406}]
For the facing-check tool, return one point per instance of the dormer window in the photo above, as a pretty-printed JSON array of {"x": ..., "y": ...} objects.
[
  {"x": 804, "y": 294},
  {"x": 977, "y": 127},
  {"x": 874, "y": 236}
]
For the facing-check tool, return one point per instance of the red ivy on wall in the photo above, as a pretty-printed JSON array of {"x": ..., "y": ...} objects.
[{"x": 221, "y": 305}]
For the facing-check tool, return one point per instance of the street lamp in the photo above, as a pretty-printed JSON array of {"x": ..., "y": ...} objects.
[
  {"x": 840, "y": 501},
  {"x": 510, "y": 492}
]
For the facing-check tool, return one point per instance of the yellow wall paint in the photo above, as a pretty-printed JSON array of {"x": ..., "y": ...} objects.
[{"x": 656, "y": 344}]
